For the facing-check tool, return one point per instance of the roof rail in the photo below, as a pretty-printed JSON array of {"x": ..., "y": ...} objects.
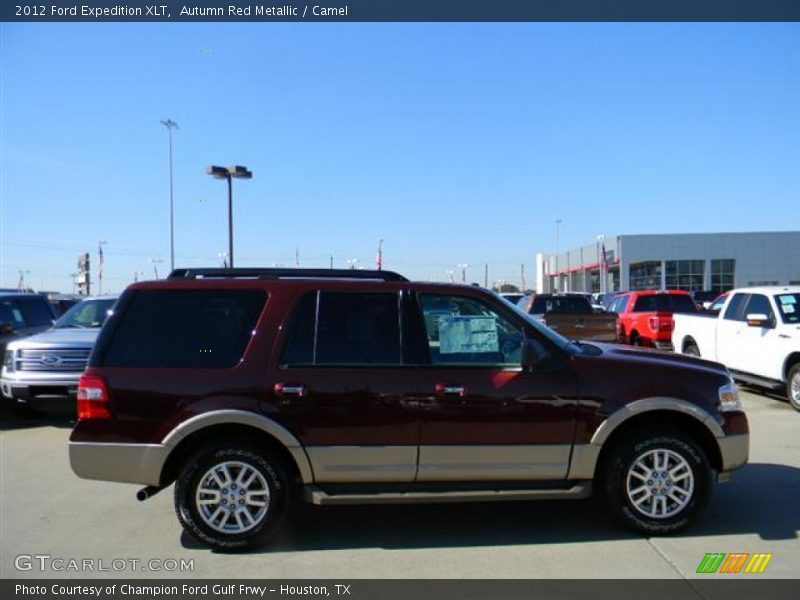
[{"x": 278, "y": 273}]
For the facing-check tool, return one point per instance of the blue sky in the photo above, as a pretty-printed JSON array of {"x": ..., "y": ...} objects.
[{"x": 456, "y": 143}]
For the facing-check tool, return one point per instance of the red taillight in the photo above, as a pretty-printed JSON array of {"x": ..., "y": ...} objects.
[
  {"x": 660, "y": 323},
  {"x": 93, "y": 398}
]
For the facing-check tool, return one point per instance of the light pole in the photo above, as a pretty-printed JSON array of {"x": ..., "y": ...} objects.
[
  {"x": 136, "y": 275},
  {"x": 156, "y": 262},
  {"x": 451, "y": 273},
  {"x": 558, "y": 275},
  {"x": 21, "y": 284},
  {"x": 352, "y": 262},
  {"x": 230, "y": 173},
  {"x": 463, "y": 268},
  {"x": 224, "y": 257},
  {"x": 379, "y": 257},
  {"x": 170, "y": 125},
  {"x": 100, "y": 264}
]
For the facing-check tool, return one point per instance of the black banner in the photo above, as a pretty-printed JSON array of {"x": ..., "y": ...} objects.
[
  {"x": 399, "y": 10},
  {"x": 712, "y": 588}
]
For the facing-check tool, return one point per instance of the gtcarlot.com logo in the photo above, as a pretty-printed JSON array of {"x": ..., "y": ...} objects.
[{"x": 735, "y": 562}]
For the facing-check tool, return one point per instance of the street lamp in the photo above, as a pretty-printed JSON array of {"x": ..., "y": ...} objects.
[
  {"x": 463, "y": 268},
  {"x": 230, "y": 173},
  {"x": 352, "y": 262},
  {"x": 224, "y": 257},
  {"x": 156, "y": 262},
  {"x": 558, "y": 276},
  {"x": 170, "y": 125},
  {"x": 101, "y": 263},
  {"x": 136, "y": 275}
]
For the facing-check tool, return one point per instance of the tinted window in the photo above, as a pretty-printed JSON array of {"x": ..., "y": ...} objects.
[
  {"x": 11, "y": 314},
  {"x": 299, "y": 346},
  {"x": 789, "y": 307},
  {"x": 679, "y": 303},
  {"x": 560, "y": 305},
  {"x": 185, "y": 328},
  {"x": 463, "y": 330},
  {"x": 37, "y": 311},
  {"x": 358, "y": 329},
  {"x": 735, "y": 310},
  {"x": 759, "y": 305}
]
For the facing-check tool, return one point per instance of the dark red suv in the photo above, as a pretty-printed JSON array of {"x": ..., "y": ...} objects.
[{"x": 253, "y": 388}]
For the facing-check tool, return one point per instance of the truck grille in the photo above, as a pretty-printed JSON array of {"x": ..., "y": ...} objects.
[{"x": 72, "y": 359}]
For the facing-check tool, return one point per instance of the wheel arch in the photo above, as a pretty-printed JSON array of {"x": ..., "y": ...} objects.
[
  {"x": 664, "y": 413},
  {"x": 687, "y": 341},
  {"x": 236, "y": 425},
  {"x": 791, "y": 361}
]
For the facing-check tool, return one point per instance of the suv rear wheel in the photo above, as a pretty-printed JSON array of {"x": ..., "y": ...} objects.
[
  {"x": 231, "y": 497},
  {"x": 658, "y": 482}
]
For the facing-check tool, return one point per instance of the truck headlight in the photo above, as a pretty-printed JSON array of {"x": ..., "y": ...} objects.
[
  {"x": 729, "y": 398},
  {"x": 8, "y": 360}
]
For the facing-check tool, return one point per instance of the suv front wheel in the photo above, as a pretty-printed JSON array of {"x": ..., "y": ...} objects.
[
  {"x": 657, "y": 482},
  {"x": 231, "y": 497}
]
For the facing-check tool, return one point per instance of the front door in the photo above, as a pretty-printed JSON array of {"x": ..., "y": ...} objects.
[{"x": 481, "y": 416}]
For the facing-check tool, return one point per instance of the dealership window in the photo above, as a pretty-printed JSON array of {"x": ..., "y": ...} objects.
[
  {"x": 684, "y": 274},
  {"x": 722, "y": 274},
  {"x": 645, "y": 276}
]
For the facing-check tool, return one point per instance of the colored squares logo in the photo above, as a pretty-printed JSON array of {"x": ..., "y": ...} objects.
[{"x": 735, "y": 562}]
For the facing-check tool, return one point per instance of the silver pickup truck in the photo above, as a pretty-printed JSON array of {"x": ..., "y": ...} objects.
[{"x": 47, "y": 365}]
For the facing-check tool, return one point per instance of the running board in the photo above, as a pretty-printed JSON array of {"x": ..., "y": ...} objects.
[
  {"x": 318, "y": 496},
  {"x": 758, "y": 381}
]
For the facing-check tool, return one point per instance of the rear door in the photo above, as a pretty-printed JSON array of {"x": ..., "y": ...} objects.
[
  {"x": 729, "y": 333},
  {"x": 343, "y": 387},
  {"x": 481, "y": 416}
]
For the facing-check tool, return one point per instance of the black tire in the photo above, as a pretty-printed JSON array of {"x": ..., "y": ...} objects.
[
  {"x": 636, "y": 340},
  {"x": 793, "y": 387},
  {"x": 271, "y": 473},
  {"x": 692, "y": 350},
  {"x": 616, "y": 475}
]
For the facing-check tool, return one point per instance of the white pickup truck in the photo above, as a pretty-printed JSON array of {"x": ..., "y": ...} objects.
[{"x": 756, "y": 335}]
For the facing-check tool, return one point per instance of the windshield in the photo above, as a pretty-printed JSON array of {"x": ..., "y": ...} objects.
[
  {"x": 565, "y": 305},
  {"x": 86, "y": 314},
  {"x": 789, "y": 307}
]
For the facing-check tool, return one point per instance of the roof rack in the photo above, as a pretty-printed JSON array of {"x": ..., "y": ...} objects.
[{"x": 296, "y": 273}]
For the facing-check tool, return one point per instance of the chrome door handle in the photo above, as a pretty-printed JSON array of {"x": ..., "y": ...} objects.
[
  {"x": 289, "y": 389},
  {"x": 443, "y": 389}
]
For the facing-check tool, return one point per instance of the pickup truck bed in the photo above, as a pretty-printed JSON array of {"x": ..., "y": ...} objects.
[{"x": 572, "y": 316}]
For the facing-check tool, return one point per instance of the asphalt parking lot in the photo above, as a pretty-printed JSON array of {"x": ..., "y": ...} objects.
[{"x": 46, "y": 510}]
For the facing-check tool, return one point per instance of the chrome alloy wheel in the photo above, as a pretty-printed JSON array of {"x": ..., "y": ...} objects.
[
  {"x": 232, "y": 497},
  {"x": 660, "y": 483},
  {"x": 794, "y": 388}
]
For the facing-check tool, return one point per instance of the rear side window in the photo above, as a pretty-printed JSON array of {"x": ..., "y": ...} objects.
[
  {"x": 185, "y": 328},
  {"x": 572, "y": 305},
  {"x": 735, "y": 310},
  {"x": 37, "y": 311},
  {"x": 344, "y": 328},
  {"x": 679, "y": 303}
]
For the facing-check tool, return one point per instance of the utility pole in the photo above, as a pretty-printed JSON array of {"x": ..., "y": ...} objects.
[
  {"x": 558, "y": 275},
  {"x": 170, "y": 125}
]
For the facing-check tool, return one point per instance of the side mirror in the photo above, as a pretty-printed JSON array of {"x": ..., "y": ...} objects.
[
  {"x": 533, "y": 354},
  {"x": 759, "y": 320}
]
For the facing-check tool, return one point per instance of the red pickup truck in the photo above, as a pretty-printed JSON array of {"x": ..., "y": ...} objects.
[{"x": 645, "y": 317}]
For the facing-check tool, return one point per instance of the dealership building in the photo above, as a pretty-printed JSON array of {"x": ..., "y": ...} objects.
[{"x": 686, "y": 261}]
